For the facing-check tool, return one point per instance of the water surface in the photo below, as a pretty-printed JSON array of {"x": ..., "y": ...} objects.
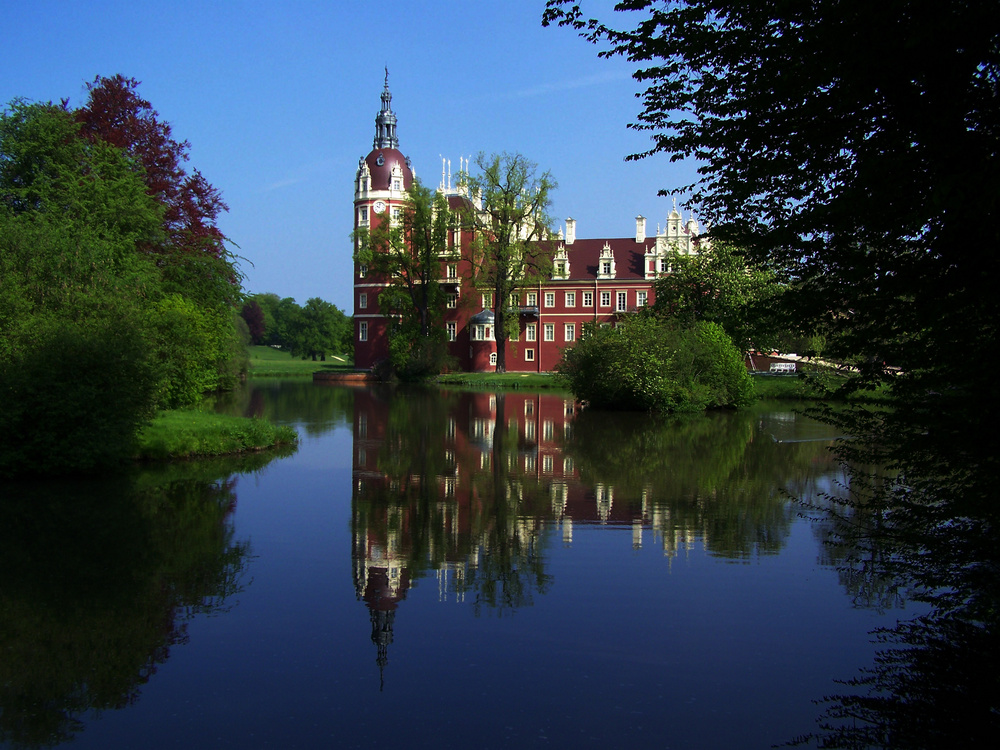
[{"x": 438, "y": 569}]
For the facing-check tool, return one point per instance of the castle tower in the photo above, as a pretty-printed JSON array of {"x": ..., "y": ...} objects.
[{"x": 380, "y": 186}]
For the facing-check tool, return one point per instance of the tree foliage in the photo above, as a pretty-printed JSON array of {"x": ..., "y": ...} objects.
[
  {"x": 720, "y": 286},
  {"x": 511, "y": 244},
  {"x": 855, "y": 147},
  {"x": 407, "y": 252},
  {"x": 648, "y": 364},
  {"x": 88, "y": 247}
]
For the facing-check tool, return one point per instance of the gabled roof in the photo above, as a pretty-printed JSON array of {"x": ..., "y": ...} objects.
[{"x": 584, "y": 256}]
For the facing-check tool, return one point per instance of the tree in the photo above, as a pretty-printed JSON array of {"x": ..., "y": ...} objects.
[
  {"x": 253, "y": 314},
  {"x": 320, "y": 330},
  {"x": 719, "y": 285},
  {"x": 117, "y": 115},
  {"x": 649, "y": 364},
  {"x": 855, "y": 147},
  {"x": 512, "y": 243},
  {"x": 407, "y": 253}
]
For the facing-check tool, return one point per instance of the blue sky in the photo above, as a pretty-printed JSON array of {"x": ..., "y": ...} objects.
[{"x": 278, "y": 101}]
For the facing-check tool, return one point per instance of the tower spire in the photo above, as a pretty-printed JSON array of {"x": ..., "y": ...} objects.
[{"x": 385, "y": 121}]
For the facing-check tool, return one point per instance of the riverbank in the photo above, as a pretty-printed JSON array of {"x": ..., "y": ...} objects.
[
  {"x": 267, "y": 362},
  {"x": 190, "y": 434}
]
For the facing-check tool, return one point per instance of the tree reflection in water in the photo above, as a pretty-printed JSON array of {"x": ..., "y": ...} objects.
[
  {"x": 98, "y": 580},
  {"x": 474, "y": 486}
]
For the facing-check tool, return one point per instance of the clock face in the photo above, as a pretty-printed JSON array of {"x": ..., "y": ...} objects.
[{"x": 379, "y": 206}]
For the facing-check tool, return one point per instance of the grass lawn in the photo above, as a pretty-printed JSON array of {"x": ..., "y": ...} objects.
[
  {"x": 187, "y": 433},
  {"x": 501, "y": 380},
  {"x": 266, "y": 362}
]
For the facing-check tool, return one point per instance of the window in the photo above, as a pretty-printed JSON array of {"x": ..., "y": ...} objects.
[
  {"x": 396, "y": 212},
  {"x": 605, "y": 299},
  {"x": 363, "y": 215},
  {"x": 570, "y": 331},
  {"x": 478, "y": 333},
  {"x": 640, "y": 299},
  {"x": 531, "y": 332},
  {"x": 532, "y": 299},
  {"x": 396, "y": 185},
  {"x": 452, "y": 330},
  {"x": 487, "y": 300},
  {"x": 453, "y": 300},
  {"x": 529, "y": 355},
  {"x": 560, "y": 268},
  {"x": 606, "y": 267},
  {"x": 664, "y": 265},
  {"x": 550, "y": 332},
  {"x": 548, "y": 430},
  {"x": 362, "y": 300},
  {"x": 493, "y": 359},
  {"x": 547, "y": 464},
  {"x": 570, "y": 299},
  {"x": 363, "y": 331},
  {"x": 453, "y": 270},
  {"x": 550, "y": 299},
  {"x": 529, "y": 408},
  {"x": 529, "y": 463},
  {"x": 622, "y": 301},
  {"x": 362, "y": 270},
  {"x": 588, "y": 299}
]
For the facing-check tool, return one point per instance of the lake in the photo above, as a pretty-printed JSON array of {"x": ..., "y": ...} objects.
[{"x": 440, "y": 569}]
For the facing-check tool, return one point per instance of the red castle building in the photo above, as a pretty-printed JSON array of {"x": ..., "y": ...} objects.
[{"x": 592, "y": 280}]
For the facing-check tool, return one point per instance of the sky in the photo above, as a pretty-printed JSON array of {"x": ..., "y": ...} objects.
[{"x": 278, "y": 102}]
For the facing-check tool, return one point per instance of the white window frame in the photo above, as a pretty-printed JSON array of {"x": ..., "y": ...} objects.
[
  {"x": 531, "y": 332},
  {"x": 493, "y": 359},
  {"x": 549, "y": 331},
  {"x": 452, "y": 327},
  {"x": 605, "y": 299},
  {"x": 550, "y": 299},
  {"x": 363, "y": 330},
  {"x": 362, "y": 301},
  {"x": 622, "y": 302},
  {"x": 532, "y": 299},
  {"x": 452, "y": 272},
  {"x": 640, "y": 299},
  {"x": 570, "y": 331},
  {"x": 452, "y": 300},
  {"x": 529, "y": 355},
  {"x": 570, "y": 299}
]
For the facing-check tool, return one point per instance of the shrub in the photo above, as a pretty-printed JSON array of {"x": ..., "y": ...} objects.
[
  {"x": 74, "y": 397},
  {"x": 648, "y": 364}
]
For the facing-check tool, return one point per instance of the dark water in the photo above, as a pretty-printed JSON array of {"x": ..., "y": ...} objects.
[{"x": 438, "y": 570}]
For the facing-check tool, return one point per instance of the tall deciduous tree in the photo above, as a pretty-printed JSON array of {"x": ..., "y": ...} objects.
[
  {"x": 512, "y": 245},
  {"x": 117, "y": 115},
  {"x": 407, "y": 252},
  {"x": 719, "y": 286},
  {"x": 856, "y": 146}
]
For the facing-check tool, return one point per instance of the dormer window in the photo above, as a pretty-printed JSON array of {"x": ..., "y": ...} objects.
[{"x": 606, "y": 263}]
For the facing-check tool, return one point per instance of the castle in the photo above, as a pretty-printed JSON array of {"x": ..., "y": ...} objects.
[{"x": 592, "y": 280}]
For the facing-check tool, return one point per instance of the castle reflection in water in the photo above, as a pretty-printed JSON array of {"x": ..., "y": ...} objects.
[{"x": 470, "y": 486}]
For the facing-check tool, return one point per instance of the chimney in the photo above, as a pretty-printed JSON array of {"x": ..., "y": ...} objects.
[
  {"x": 570, "y": 231},
  {"x": 640, "y": 228}
]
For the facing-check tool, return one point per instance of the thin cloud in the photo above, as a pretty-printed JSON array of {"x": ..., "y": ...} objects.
[{"x": 545, "y": 89}]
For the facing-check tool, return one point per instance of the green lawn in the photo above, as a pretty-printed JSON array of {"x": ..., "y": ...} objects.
[
  {"x": 189, "y": 433},
  {"x": 502, "y": 380},
  {"x": 266, "y": 362}
]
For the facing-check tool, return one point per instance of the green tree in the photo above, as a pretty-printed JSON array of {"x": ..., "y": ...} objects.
[
  {"x": 855, "y": 147},
  {"x": 645, "y": 363},
  {"x": 720, "y": 286},
  {"x": 512, "y": 238},
  {"x": 407, "y": 253},
  {"x": 320, "y": 330}
]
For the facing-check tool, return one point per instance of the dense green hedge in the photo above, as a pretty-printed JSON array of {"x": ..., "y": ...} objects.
[{"x": 649, "y": 364}]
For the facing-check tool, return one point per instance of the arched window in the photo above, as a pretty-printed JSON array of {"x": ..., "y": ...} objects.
[{"x": 493, "y": 359}]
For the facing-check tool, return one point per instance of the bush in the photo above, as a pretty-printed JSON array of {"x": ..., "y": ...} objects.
[
  {"x": 648, "y": 364},
  {"x": 75, "y": 397}
]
